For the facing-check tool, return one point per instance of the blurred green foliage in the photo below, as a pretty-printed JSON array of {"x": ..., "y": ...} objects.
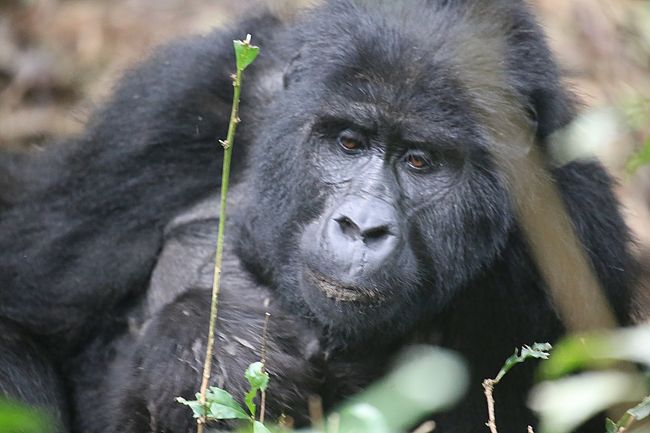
[
  {"x": 18, "y": 418},
  {"x": 568, "y": 401}
]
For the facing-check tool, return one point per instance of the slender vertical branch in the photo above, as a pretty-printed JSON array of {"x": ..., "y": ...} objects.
[
  {"x": 264, "y": 343},
  {"x": 488, "y": 388},
  {"x": 244, "y": 57}
]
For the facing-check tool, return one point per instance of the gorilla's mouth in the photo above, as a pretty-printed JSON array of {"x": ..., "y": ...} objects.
[{"x": 339, "y": 292}]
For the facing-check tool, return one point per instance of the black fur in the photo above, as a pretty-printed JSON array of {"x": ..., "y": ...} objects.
[{"x": 106, "y": 243}]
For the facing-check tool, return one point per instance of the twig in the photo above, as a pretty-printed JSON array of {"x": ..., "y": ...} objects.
[
  {"x": 225, "y": 180},
  {"x": 625, "y": 422},
  {"x": 488, "y": 387},
  {"x": 264, "y": 343}
]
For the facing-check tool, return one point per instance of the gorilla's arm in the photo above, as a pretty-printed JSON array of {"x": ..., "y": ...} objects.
[
  {"x": 165, "y": 361},
  {"x": 87, "y": 234}
]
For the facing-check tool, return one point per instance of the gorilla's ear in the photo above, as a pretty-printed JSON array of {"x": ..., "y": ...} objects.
[
  {"x": 292, "y": 71},
  {"x": 552, "y": 109}
]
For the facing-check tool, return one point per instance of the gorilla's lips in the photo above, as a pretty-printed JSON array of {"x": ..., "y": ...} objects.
[{"x": 339, "y": 292}]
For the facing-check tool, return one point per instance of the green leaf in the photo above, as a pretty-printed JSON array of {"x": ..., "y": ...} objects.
[
  {"x": 257, "y": 377},
  {"x": 219, "y": 404},
  {"x": 639, "y": 159},
  {"x": 258, "y": 380},
  {"x": 222, "y": 397},
  {"x": 245, "y": 53},
  {"x": 197, "y": 408},
  {"x": 642, "y": 410},
  {"x": 222, "y": 405},
  {"x": 611, "y": 426},
  {"x": 258, "y": 427},
  {"x": 538, "y": 351},
  {"x": 219, "y": 411},
  {"x": 250, "y": 404}
]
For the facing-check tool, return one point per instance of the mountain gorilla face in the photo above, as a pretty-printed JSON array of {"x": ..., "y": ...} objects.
[{"x": 394, "y": 202}]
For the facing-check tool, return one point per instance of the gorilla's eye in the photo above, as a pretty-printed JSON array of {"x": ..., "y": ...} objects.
[
  {"x": 418, "y": 161},
  {"x": 350, "y": 141}
]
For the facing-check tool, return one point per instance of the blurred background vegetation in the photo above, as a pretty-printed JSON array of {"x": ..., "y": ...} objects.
[{"x": 59, "y": 59}]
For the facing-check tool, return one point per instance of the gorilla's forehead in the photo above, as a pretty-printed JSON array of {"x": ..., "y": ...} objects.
[
  {"x": 411, "y": 58},
  {"x": 435, "y": 69}
]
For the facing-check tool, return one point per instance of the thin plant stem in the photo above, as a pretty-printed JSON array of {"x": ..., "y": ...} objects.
[
  {"x": 225, "y": 183},
  {"x": 488, "y": 388},
  {"x": 265, "y": 337}
]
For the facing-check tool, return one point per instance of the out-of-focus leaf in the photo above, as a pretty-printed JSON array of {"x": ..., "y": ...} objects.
[
  {"x": 639, "y": 159},
  {"x": 642, "y": 410},
  {"x": 610, "y": 426},
  {"x": 598, "y": 350},
  {"x": 258, "y": 427},
  {"x": 363, "y": 417},
  {"x": 426, "y": 380},
  {"x": 564, "y": 404},
  {"x": 592, "y": 134},
  {"x": 16, "y": 417},
  {"x": 637, "y": 110}
]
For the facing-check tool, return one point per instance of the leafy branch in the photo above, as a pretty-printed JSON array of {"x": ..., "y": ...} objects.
[
  {"x": 219, "y": 404},
  {"x": 538, "y": 350},
  {"x": 638, "y": 413},
  {"x": 591, "y": 373},
  {"x": 245, "y": 54}
]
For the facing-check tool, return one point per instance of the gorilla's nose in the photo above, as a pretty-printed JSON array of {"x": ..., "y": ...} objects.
[{"x": 362, "y": 234}]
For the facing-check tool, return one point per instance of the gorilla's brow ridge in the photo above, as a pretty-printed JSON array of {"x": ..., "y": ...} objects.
[{"x": 410, "y": 130}]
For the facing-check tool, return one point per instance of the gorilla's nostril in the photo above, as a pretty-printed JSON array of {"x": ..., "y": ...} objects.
[
  {"x": 375, "y": 233},
  {"x": 348, "y": 227},
  {"x": 345, "y": 222}
]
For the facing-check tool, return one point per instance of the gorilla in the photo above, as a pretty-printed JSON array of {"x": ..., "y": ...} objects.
[{"x": 368, "y": 212}]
